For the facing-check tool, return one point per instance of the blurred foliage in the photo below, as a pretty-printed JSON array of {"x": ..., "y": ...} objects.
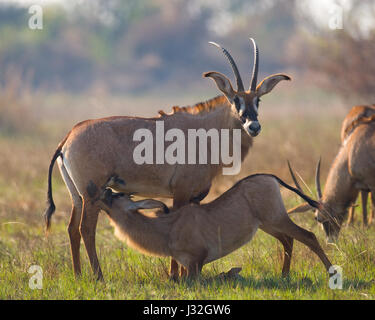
[
  {"x": 137, "y": 45},
  {"x": 130, "y": 46},
  {"x": 16, "y": 105},
  {"x": 347, "y": 65},
  {"x": 341, "y": 60}
]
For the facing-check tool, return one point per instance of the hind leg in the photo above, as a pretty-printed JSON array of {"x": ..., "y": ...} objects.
[
  {"x": 89, "y": 220},
  {"x": 75, "y": 219},
  {"x": 75, "y": 238},
  {"x": 288, "y": 227},
  {"x": 287, "y": 243}
]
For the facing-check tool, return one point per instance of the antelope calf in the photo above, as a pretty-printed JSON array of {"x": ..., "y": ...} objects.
[
  {"x": 355, "y": 116},
  {"x": 195, "y": 235},
  {"x": 353, "y": 170}
]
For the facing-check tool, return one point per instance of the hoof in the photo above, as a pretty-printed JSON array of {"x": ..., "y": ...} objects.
[
  {"x": 231, "y": 274},
  {"x": 173, "y": 277}
]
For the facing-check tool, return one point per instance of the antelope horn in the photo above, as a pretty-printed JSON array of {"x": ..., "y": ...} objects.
[
  {"x": 254, "y": 77},
  {"x": 317, "y": 180},
  {"x": 294, "y": 177},
  {"x": 240, "y": 86}
]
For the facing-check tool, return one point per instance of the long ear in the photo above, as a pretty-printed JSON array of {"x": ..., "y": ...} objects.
[
  {"x": 301, "y": 208},
  {"x": 149, "y": 204},
  {"x": 222, "y": 82},
  {"x": 269, "y": 83}
]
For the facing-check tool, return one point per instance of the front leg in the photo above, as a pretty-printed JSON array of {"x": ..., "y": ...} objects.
[
  {"x": 350, "y": 220},
  {"x": 195, "y": 266},
  {"x": 179, "y": 200},
  {"x": 194, "y": 270},
  {"x": 372, "y": 208},
  {"x": 364, "y": 196}
]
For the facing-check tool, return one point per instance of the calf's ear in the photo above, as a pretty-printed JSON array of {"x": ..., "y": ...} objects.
[{"x": 107, "y": 197}]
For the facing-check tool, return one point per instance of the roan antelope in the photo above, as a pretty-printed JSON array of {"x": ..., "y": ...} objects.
[
  {"x": 351, "y": 120},
  {"x": 96, "y": 149},
  {"x": 195, "y": 235},
  {"x": 353, "y": 170}
]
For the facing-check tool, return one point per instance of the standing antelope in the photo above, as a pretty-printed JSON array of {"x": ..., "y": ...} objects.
[
  {"x": 350, "y": 122},
  {"x": 96, "y": 149},
  {"x": 353, "y": 170},
  {"x": 198, "y": 234}
]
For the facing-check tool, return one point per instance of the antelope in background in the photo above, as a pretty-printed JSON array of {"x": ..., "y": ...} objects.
[
  {"x": 96, "y": 149},
  {"x": 352, "y": 171},
  {"x": 195, "y": 235},
  {"x": 351, "y": 120}
]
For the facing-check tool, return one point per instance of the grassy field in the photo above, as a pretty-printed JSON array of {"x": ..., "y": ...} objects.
[{"x": 31, "y": 127}]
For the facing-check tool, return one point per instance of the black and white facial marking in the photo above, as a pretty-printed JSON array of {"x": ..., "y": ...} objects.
[
  {"x": 248, "y": 112},
  {"x": 331, "y": 226}
]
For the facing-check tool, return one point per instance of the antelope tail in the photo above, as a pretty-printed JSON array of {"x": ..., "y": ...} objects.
[
  {"x": 50, "y": 204},
  {"x": 310, "y": 201}
]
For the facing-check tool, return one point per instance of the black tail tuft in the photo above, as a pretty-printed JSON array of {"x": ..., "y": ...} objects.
[
  {"x": 48, "y": 213},
  {"x": 51, "y": 205},
  {"x": 310, "y": 201}
]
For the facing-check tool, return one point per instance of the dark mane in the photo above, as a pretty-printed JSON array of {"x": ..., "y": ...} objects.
[{"x": 201, "y": 107}]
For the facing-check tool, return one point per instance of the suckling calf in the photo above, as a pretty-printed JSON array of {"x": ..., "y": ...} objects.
[{"x": 197, "y": 234}]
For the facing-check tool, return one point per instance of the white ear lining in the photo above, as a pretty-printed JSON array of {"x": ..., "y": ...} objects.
[{"x": 242, "y": 106}]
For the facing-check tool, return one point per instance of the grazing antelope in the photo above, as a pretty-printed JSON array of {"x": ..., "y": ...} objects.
[
  {"x": 350, "y": 122},
  {"x": 96, "y": 149},
  {"x": 353, "y": 170},
  {"x": 195, "y": 235}
]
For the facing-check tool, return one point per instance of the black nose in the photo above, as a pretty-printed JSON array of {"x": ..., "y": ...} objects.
[{"x": 254, "y": 128}]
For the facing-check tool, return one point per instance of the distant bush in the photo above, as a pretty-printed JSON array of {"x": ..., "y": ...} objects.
[
  {"x": 341, "y": 60},
  {"x": 16, "y": 106},
  {"x": 346, "y": 62}
]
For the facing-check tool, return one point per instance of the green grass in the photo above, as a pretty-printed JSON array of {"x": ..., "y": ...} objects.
[{"x": 129, "y": 275}]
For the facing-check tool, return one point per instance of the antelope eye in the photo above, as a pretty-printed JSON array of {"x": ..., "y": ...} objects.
[{"x": 237, "y": 103}]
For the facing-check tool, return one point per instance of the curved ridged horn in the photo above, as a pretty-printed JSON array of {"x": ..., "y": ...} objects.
[
  {"x": 317, "y": 180},
  {"x": 240, "y": 86},
  {"x": 294, "y": 178},
  {"x": 254, "y": 77}
]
